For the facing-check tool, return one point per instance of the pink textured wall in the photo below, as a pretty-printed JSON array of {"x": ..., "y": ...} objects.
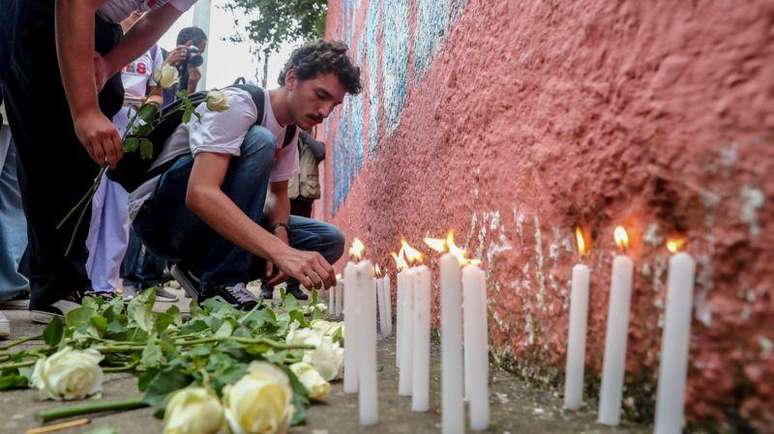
[{"x": 537, "y": 116}]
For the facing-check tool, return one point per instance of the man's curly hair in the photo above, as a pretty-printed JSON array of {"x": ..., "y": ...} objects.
[{"x": 319, "y": 57}]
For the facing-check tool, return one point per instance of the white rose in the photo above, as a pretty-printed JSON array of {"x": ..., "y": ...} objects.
[
  {"x": 327, "y": 358},
  {"x": 260, "y": 402},
  {"x": 69, "y": 374},
  {"x": 166, "y": 76},
  {"x": 328, "y": 328},
  {"x": 314, "y": 383},
  {"x": 193, "y": 410},
  {"x": 307, "y": 336},
  {"x": 217, "y": 101}
]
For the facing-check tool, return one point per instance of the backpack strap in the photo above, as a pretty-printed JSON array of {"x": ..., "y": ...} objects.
[{"x": 259, "y": 99}]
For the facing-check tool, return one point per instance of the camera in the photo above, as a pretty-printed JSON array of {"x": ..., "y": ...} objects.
[{"x": 193, "y": 57}]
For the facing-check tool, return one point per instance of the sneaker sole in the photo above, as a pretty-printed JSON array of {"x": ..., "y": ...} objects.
[
  {"x": 188, "y": 287},
  {"x": 43, "y": 317},
  {"x": 5, "y": 328},
  {"x": 15, "y": 305}
]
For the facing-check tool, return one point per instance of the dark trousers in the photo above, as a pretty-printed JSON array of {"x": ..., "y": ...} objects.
[
  {"x": 55, "y": 169},
  {"x": 171, "y": 230},
  {"x": 301, "y": 207}
]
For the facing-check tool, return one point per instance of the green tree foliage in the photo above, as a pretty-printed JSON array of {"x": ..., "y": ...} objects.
[{"x": 270, "y": 23}]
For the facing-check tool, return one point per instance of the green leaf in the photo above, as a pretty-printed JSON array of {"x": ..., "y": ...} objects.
[
  {"x": 53, "y": 333},
  {"x": 142, "y": 131},
  {"x": 297, "y": 315},
  {"x": 300, "y": 397},
  {"x": 100, "y": 323},
  {"x": 151, "y": 355},
  {"x": 148, "y": 112},
  {"x": 164, "y": 383},
  {"x": 13, "y": 381},
  {"x": 187, "y": 115},
  {"x": 194, "y": 326},
  {"x": 140, "y": 310},
  {"x": 131, "y": 144},
  {"x": 225, "y": 330},
  {"x": 146, "y": 149},
  {"x": 315, "y": 298},
  {"x": 162, "y": 322},
  {"x": 177, "y": 317},
  {"x": 115, "y": 328},
  {"x": 78, "y": 317}
]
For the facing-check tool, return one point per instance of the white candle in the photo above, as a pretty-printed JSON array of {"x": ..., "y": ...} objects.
[
  {"x": 340, "y": 298},
  {"x": 576, "y": 341},
  {"x": 352, "y": 326},
  {"x": 368, "y": 396},
  {"x": 387, "y": 304},
  {"x": 476, "y": 345},
  {"x": 420, "y": 370},
  {"x": 332, "y": 299},
  {"x": 615, "y": 341},
  {"x": 381, "y": 307},
  {"x": 405, "y": 330},
  {"x": 452, "y": 406},
  {"x": 674, "y": 345}
]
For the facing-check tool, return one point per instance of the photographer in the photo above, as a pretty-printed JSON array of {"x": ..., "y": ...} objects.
[{"x": 187, "y": 58}]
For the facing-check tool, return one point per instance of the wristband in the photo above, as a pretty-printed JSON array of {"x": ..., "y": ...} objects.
[{"x": 277, "y": 225}]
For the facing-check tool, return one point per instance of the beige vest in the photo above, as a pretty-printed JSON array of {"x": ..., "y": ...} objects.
[{"x": 307, "y": 183}]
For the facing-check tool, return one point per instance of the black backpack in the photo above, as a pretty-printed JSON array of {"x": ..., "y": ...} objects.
[{"x": 133, "y": 170}]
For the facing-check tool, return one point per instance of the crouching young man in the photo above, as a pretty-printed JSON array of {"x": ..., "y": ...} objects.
[{"x": 209, "y": 211}]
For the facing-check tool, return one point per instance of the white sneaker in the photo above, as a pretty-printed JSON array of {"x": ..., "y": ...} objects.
[{"x": 5, "y": 326}]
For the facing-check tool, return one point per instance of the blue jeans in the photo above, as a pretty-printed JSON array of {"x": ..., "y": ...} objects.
[
  {"x": 141, "y": 268},
  {"x": 171, "y": 230},
  {"x": 13, "y": 231}
]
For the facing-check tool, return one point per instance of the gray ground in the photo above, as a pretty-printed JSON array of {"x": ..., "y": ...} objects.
[{"x": 515, "y": 406}]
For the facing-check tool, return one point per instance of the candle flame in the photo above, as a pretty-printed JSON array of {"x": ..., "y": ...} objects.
[
  {"x": 621, "y": 237},
  {"x": 400, "y": 263},
  {"x": 357, "y": 249},
  {"x": 675, "y": 244},
  {"x": 413, "y": 256},
  {"x": 377, "y": 271},
  {"x": 437, "y": 244},
  {"x": 456, "y": 251},
  {"x": 581, "y": 241}
]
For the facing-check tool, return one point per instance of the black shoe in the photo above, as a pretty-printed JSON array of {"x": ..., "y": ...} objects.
[
  {"x": 298, "y": 293},
  {"x": 45, "y": 313},
  {"x": 20, "y": 301},
  {"x": 267, "y": 293},
  {"x": 235, "y": 295}
]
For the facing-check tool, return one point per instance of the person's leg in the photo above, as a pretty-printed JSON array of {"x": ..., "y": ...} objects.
[
  {"x": 13, "y": 231},
  {"x": 171, "y": 230},
  {"x": 55, "y": 170},
  {"x": 313, "y": 235}
]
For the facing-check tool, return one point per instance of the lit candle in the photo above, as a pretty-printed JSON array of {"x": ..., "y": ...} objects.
[
  {"x": 420, "y": 342},
  {"x": 352, "y": 324},
  {"x": 576, "y": 341},
  {"x": 674, "y": 342},
  {"x": 381, "y": 301},
  {"x": 452, "y": 405},
  {"x": 405, "y": 330},
  {"x": 476, "y": 345},
  {"x": 368, "y": 396},
  {"x": 387, "y": 289},
  {"x": 614, "y": 362}
]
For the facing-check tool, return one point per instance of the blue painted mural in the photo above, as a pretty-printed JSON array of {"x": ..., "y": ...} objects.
[{"x": 383, "y": 54}]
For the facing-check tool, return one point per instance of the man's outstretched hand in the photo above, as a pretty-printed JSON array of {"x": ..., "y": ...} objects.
[{"x": 309, "y": 268}]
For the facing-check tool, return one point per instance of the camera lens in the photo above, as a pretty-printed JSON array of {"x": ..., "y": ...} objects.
[{"x": 194, "y": 57}]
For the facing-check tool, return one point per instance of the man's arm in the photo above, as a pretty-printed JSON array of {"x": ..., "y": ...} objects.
[
  {"x": 75, "y": 51},
  {"x": 206, "y": 199}
]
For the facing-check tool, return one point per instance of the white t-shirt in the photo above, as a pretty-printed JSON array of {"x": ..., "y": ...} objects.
[
  {"x": 223, "y": 133},
  {"x": 116, "y": 11},
  {"x": 137, "y": 76}
]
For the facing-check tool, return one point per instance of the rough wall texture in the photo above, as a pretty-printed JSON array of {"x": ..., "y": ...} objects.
[{"x": 513, "y": 122}]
